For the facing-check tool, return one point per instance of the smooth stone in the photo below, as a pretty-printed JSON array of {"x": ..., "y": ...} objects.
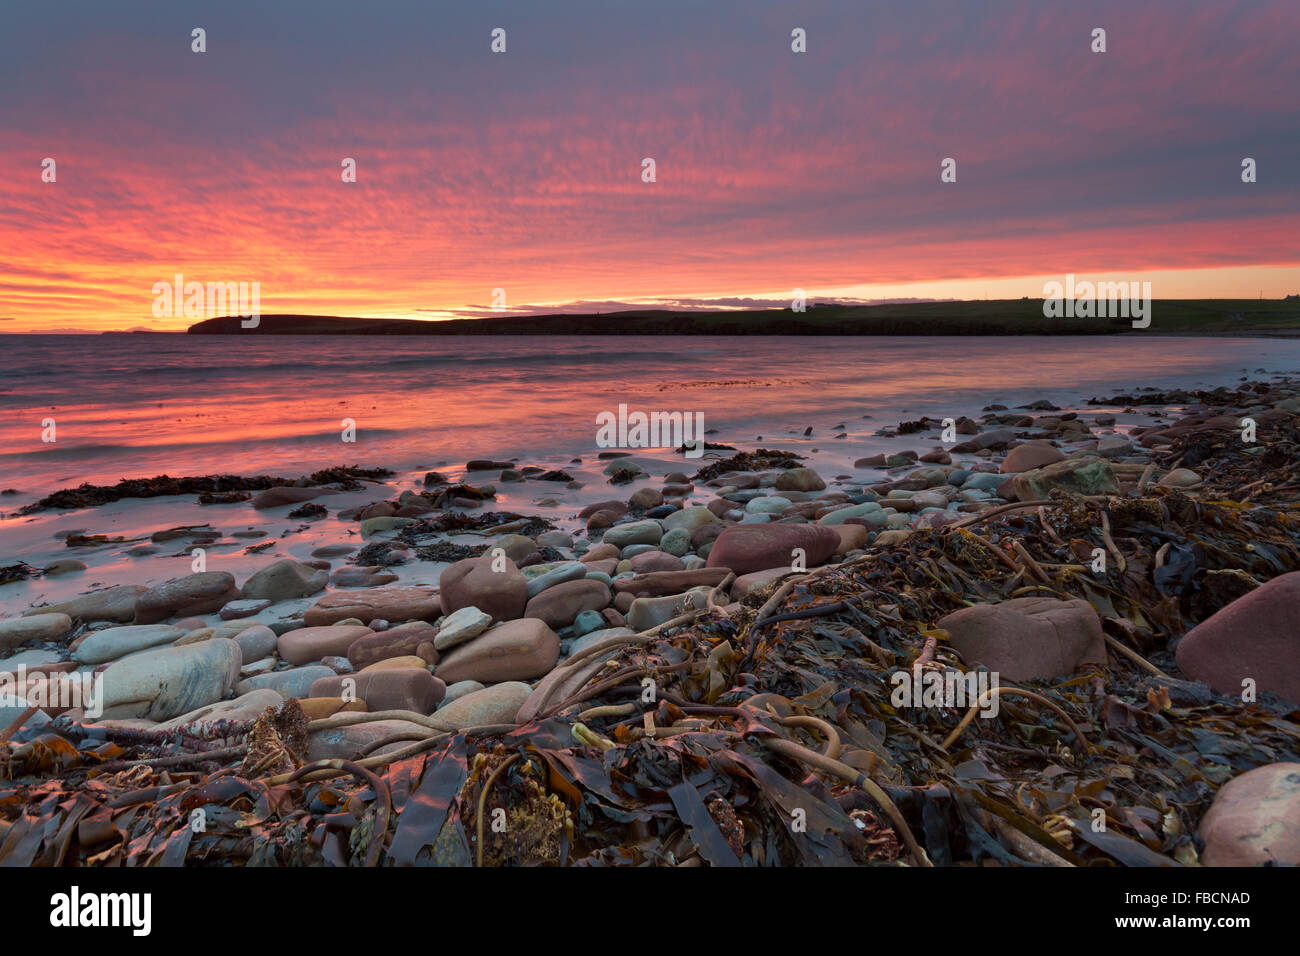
[
  {"x": 647, "y": 612},
  {"x": 459, "y": 689},
  {"x": 285, "y": 580},
  {"x": 38, "y": 627},
  {"x": 393, "y": 603},
  {"x": 13, "y": 706},
  {"x": 243, "y": 608},
  {"x": 555, "y": 539},
  {"x": 459, "y": 626},
  {"x": 497, "y": 704},
  {"x": 892, "y": 537},
  {"x": 553, "y": 575},
  {"x": 676, "y": 542},
  {"x": 1254, "y": 638},
  {"x": 1114, "y": 446},
  {"x": 203, "y": 593},
  {"x": 287, "y": 495},
  {"x": 870, "y": 510},
  {"x": 689, "y": 518},
  {"x": 659, "y": 583},
  {"x": 372, "y": 526},
  {"x": 306, "y": 644},
  {"x": 645, "y": 498},
  {"x": 770, "y": 505},
  {"x": 265, "y": 665},
  {"x": 651, "y": 561},
  {"x": 162, "y": 684},
  {"x": 982, "y": 481},
  {"x": 318, "y": 708},
  {"x": 406, "y": 640},
  {"x": 600, "y": 552},
  {"x": 636, "y": 532},
  {"x": 254, "y": 642},
  {"x": 1255, "y": 819},
  {"x": 1180, "y": 478},
  {"x": 852, "y": 536},
  {"x": 746, "y": 548},
  {"x": 294, "y": 682},
  {"x": 333, "y": 551},
  {"x": 64, "y": 566},
  {"x": 114, "y": 642},
  {"x": 346, "y": 742},
  {"x": 192, "y": 637},
  {"x": 111, "y": 604},
  {"x": 407, "y": 688},
  {"x": 558, "y": 606},
  {"x": 1029, "y": 638},
  {"x": 799, "y": 479},
  {"x": 249, "y": 706},
  {"x": 516, "y": 546},
  {"x": 1083, "y": 476},
  {"x": 362, "y": 577},
  {"x": 474, "y": 582},
  {"x": 588, "y": 621},
  {"x": 1028, "y": 456},
  {"x": 515, "y": 650},
  {"x": 33, "y": 659}
]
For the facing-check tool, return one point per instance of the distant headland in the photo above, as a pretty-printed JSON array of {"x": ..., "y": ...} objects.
[{"x": 979, "y": 317}]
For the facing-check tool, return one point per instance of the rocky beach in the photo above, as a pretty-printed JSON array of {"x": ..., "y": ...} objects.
[{"x": 623, "y": 658}]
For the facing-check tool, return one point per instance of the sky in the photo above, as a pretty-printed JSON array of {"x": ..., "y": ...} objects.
[{"x": 522, "y": 171}]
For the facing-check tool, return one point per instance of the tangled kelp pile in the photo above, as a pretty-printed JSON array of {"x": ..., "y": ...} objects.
[
  {"x": 762, "y": 732},
  {"x": 216, "y": 488}
]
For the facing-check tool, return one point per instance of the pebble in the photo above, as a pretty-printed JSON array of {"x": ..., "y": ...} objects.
[{"x": 460, "y": 626}]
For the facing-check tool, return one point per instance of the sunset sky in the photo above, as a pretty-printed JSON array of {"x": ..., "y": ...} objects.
[{"x": 522, "y": 170}]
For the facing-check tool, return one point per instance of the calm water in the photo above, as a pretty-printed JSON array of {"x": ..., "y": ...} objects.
[{"x": 140, "y": 405}]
